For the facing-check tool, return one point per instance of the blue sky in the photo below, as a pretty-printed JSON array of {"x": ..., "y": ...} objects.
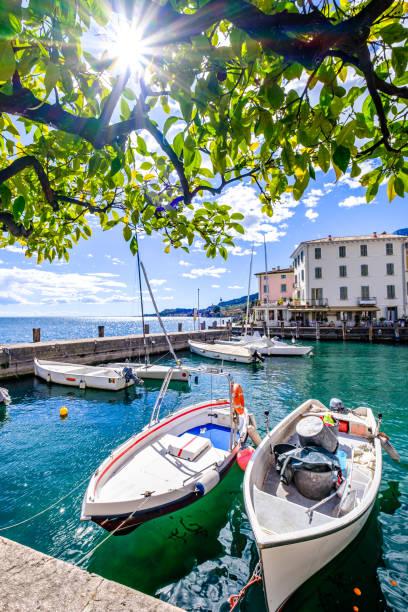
[{"x": 100, "y": 278}]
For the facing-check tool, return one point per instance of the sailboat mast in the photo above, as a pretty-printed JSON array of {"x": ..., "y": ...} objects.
[
  {"x": 249, "y": 291},
  {"x": 141, "y": 305},
  {"x": 158, "y": 314}
]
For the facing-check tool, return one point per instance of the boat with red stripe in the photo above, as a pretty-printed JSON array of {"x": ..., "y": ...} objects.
[{"x": 171, "y": 463}]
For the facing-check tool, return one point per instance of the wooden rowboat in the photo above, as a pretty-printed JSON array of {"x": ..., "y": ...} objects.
[
  {"x": 82, "y": 376},
  {"x": 295, "y": 535}
]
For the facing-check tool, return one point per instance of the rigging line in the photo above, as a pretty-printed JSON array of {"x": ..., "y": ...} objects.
[
  {"x": 249, "y": 290},
  {"x": 141, "y": 303},
  {"x": 158, "y": 314}
]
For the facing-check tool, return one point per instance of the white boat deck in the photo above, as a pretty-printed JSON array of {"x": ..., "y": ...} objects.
[{"x": 154, "y": 471}]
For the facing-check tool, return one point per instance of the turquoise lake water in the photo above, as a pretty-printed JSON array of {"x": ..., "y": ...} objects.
[{"x": 197, "y": 557}]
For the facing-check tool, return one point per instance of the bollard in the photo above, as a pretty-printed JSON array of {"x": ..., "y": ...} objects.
[
  {"x": 36, "y": 334},
  {"x": 147, "y": 328},
  {"x": 101, "y": 331},
  {"x": 370, "y": 332},
  {"x": 180, "y": 327},
  {"x": 297, "y": 330},
  {"x": 317, "y": 330},
  {"x": 396, "y": 331},
  {"x": 344, "y": 330}
]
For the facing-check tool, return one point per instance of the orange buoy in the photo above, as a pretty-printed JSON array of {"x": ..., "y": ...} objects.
[
  {"x": 357, "y": 591},
  {"x": 238, "y": 398},
  {"x": 393, "y": 583},
  {"x": 243, "y": 457},
  {"x": 355, "y": 608}
]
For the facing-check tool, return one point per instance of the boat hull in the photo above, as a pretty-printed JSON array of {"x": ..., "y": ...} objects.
[
  {"x": 113, "y": 381},
  {"x": 269, "y": 350},
  {"x": 154, "y": 372},
  {"x": 282, "y": 572},
  {"x": 210, "y": 353},
  {"x": 126, "y": 523}
]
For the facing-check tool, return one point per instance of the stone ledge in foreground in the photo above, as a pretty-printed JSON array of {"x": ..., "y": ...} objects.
[{"x": 32, "y": 581}]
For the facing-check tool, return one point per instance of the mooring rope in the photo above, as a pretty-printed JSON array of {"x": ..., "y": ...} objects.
[
  {"x": 256, "y": 577},
  {"x": 45, "y": 509}
]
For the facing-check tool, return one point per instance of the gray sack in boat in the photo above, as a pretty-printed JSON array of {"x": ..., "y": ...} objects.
[{"x": 313, "y": 458}]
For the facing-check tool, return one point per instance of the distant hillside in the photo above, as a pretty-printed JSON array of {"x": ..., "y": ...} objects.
[{"x": 210, "y": 311}]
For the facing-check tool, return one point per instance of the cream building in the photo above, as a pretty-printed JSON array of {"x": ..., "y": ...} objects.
[{"x": 351, "y": 278}]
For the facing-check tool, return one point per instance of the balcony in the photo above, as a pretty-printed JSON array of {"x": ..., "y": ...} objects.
[
  {"x": 314, "y": 303},
  {"x": 367, "y": 301}
]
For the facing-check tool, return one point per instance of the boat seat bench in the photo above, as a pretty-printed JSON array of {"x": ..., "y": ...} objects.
[{"x": 282, "y": 516}]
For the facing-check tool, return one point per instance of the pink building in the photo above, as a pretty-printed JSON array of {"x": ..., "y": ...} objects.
[{"x": 276, "y": 285}]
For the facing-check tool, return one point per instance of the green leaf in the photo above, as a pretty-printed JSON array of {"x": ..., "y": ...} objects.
[
  {"x": 127, "y": 233},
  {"x": 323, "y": 158},
  {"x": 393, "y": 33},
  {"x": 399, "y": 186},
  {"x": 275, "y": 96},
  {"x": 168, "y": 123},
  {"x": 18, "y": 206},
  {"x": 341, "y": 157},
  {"x": 115, "y": 165},
  {"x": 124, "y": 109},
  {"x": 399, "y": 57},
  {"x": 51, "y": 77},
  {"x": 7, "y": 61}
]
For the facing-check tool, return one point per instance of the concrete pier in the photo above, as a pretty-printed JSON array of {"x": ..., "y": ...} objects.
[
  {"x": 383, "y": 335},
  {"x": 18, "y": 359},
  {"x": 31, "y": 580}
]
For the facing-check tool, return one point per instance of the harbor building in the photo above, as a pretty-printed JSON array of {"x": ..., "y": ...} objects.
[
  {"x": 275, "y": 290},
  {"x": 351, "y": 278}
]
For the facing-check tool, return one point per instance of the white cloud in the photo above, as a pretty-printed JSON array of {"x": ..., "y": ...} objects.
[
  {"x": 157, "y": 282},
  {"x": 311, "y": 200},
  {"x": 184, "y": 263},
  {"x": 115, "y": 260},
  {"x": 215, "y": 286},
  {"x": 210, "y": 271},
  {"x": 168, "y": 289},
  {"x": 198, "y": 246},
  {"x": 256, "y": 224},
  {"x": 235, "y": 287},
  {"x": 44, "y": 287},
  {"x": 90, "y": 255},
  {"x": 12, "y": 248},
  {"x": 238, "y": 251},
  {"x": 311, "y": 214},
  {"x": 353, "y": 201},
  {"x": 283, "y": 226}
]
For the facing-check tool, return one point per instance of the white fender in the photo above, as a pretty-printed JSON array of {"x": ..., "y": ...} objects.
[{"x": 207, "y": 482}]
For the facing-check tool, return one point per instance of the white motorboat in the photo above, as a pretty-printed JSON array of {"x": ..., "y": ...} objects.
[
  {"x": 4, "y": 396},
  {"x": 170, "y": 464},
  {"x": 295, "y": 535},
  {"x": 82, "y": 376},
  {"x": 268, "y": 346},
  {"x": 151, "y": 371},
  {"x": 224, "y": 352}
]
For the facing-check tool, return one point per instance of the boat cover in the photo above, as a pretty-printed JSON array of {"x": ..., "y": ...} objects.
[{"x": 313, "y": 458}]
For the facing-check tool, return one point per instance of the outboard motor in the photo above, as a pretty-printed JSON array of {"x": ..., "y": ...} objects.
[
  {"x": 258, "y": 357},
  {"x": 128, "y": 374},
  {"x": 337, "y": 405}
]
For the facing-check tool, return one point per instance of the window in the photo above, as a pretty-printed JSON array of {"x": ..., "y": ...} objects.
[
  {"x": 283, "y": 275},
  {"x": 390, "y": 292},
  {"x": 283, "y": 288},
  {"x": 365, "y": 292},
  {"x": 317, "y": 293},
  {"x": 390, "y": 269},
  {"x": 364, "y": 270},
  {"x": 265, "y": 288},
  {"x": 343, "y": 293},
  {"x": 342, "y": 271},
  {"x": 265, "y": 300},
  {"x": 318, "y": 273},
  {"x": 265, "y": 277},
  {"x": 318, "y": 253},
  {"x": 301, "y": 255},
  {"x": 389, "y": 248},
  {"x": 342, "y": 251},
  {"x": 363, "y": 250},
  {"x": 303, "y": 275},
  {"x": 295, "y": 279}
]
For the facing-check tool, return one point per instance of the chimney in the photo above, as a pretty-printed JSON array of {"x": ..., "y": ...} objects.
[
  {"x": 330, "y": 237},
  {"x": 375, "y": 234}
]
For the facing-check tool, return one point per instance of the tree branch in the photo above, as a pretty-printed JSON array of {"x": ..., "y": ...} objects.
[{"x": 21, "y": 164}]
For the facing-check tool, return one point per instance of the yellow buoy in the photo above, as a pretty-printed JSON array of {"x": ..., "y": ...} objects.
[{"x": 63, "y": 412}]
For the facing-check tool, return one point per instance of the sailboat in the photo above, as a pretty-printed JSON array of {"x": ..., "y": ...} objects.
[
  {"x": 148, "y": 370},
  {"x": 171, "y": 463}
]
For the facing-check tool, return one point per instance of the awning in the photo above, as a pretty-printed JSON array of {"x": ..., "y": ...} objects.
[{"x": 333, "y": 310}]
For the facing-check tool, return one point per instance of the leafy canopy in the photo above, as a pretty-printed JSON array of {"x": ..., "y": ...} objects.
[{"x": 211, "y": 92}]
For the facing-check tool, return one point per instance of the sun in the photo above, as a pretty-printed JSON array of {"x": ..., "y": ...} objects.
[{"x": 128, "y": 48}]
